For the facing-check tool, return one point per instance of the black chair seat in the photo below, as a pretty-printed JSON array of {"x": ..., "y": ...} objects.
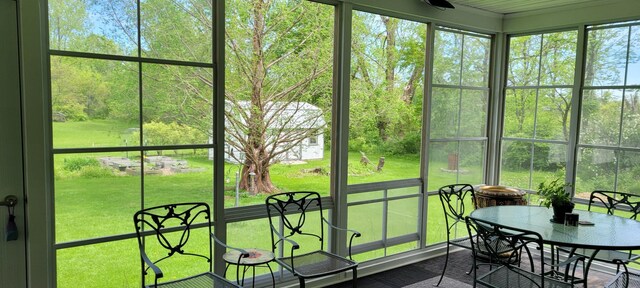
[
  {"x": 624, "y": 280},
  {"x": 503, "y": 247},
  {"x": 204, "y": 280},
  {"x": 509, "y": 277},
  {"x": 317, "y": 263}
]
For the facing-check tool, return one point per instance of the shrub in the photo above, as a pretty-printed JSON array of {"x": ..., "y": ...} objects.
[
  {"x": 518, "y": 155},
  {"x": 635, "y": 189},
  {"x": 76, "y": 164},
  {"x": 158, "y": 133},
  {"x": 72, "y": 111},
  {"x": 95, "y": 172},
  {"x": 408, "y": 145},
  {"x": 360, "y": 144}
]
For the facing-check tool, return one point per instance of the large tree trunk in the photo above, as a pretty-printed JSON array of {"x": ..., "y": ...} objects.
[
  {"x": 410, "y": 89},
  {"x": 589, "y": 69},
  {"x": 391, "y": 27},
  {"x": 257, "y": 156},
  {"x": 260, "y": 181}
]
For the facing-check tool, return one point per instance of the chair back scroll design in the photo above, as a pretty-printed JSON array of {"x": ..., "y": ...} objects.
[
  {"x": 612, "y": 201},
  {"x": 292, "y": 208},
  {"x": 170, "y": 218},
  {"x": 452, "y": 198}
]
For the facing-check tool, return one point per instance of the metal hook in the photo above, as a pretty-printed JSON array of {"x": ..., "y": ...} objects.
[{"x": 9, "y": 201}]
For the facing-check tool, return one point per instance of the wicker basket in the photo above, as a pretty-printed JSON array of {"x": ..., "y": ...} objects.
[{"x": 499, "y": 195}]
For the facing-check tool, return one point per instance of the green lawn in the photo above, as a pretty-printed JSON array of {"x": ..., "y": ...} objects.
[
  {"x": 97, "y": 202},
  {"x": 94, "y": 133},
  {"x": 93, "y": 203}
]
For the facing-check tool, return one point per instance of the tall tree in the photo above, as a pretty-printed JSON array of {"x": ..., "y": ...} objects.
[
  {"x": 66, "y": 23},
  {"x": 277, "y": 53},
  {"x": 387, "y": 69}
]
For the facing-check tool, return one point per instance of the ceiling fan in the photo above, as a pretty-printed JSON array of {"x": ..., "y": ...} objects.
[{"x": 442, "y": 4}]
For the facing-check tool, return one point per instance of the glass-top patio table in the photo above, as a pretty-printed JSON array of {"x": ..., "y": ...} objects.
[{"x": 609, "y": 232}]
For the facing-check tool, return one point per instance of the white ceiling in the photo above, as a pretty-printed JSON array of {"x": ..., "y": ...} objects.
[{"x": 516, "y": 6}]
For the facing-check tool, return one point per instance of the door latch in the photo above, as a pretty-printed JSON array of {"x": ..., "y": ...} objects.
[
  {"x": 11, "y": 231},
  {"x": 9, "y": 201}
]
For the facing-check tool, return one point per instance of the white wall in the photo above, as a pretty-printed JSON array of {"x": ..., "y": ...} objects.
[{"x": 310, "y": 152}]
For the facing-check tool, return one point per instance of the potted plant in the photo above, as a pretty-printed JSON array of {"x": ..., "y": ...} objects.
[{"x": 553, "y": 194}]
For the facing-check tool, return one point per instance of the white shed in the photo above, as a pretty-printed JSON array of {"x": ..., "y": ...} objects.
[{"x": 293, "y": 116}]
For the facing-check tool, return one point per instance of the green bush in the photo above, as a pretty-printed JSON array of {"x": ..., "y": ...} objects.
[
  {"x": 518, "y": 155},
  {"x": 635, "y": 189},
  {"x": 95, "y": 172},
  {"x": 158, "y": 133},
  {"x": 72, "y": 111},
  {"x": 591, "y": 170},
  {"x": 361, "y": 144},
  {"x": 407, "y": 145},
  {"x": 76, "y": 164}
]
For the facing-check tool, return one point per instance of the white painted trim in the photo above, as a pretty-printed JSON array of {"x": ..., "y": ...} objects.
[
  {"x": 37, "y": 142},
  {"x": 572, "y": 16}
]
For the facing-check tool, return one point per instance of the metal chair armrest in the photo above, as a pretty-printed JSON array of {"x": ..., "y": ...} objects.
[
  {"x": 243, "y": 253},
  {"x": 294, "y": 244},
  {"x": 574, "y": 258},
  {"x": 566, "y": 264},
  {"x": 156, "y": 270},
  {"x": 353, "y": 235},
  {"x": 343, "y": 229}
]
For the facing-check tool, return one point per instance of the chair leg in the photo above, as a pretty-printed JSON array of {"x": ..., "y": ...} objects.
[
  {"x": 585, "y": 273},
  {"x": 301, "y": 282},
  {"x": 355, "y": 277},
  {"x": 446, "y": 260},
  {"x": 530, "y": 257}
]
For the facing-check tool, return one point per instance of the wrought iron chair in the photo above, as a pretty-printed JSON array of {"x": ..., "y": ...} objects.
[
  {"x": 294, "y": 213},
  {"x": 624, "y": 279},
  {"x": 165, "y": 233},
  {"x": 504, "y": 246},
  {"x": 452, "y": 198},
  {"x": 612, "y": 201}
]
